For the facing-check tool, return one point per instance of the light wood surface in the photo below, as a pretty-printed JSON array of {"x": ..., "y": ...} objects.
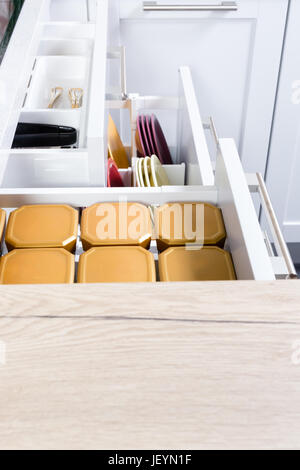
[
  {"x": 201, "y": 367},
  {"x": 239, "y": 301}
]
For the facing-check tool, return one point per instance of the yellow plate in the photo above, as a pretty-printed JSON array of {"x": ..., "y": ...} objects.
[
  {"x": 116, "y": 149},
  {"x": 138, "y": 143}
]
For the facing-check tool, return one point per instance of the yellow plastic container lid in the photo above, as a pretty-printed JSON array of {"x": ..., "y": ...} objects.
[
  {"x": 2, "y": 222},
  {"x": 116, "y": 264},
  {"x": 115, "y": 224},
  {"x": 198, "y": 223},
  {"x": 37, "y": 266},
  {"x": 208, "y": 263},
  {"x": 42, "y": 226}
]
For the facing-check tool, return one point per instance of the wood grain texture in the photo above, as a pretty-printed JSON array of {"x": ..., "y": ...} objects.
[
  {"x": 174, "y": 366},
  {"x": 115, "y": 384},
  {"x": 223, "y": 301}
]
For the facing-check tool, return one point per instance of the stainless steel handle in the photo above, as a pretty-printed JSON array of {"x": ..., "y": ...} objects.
[
  {"x": 224, "y": 6},
  {"x": 274, "y": 225}
]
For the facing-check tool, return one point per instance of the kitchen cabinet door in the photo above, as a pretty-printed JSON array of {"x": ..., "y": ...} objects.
[
  {"x": 234, "y": 57},
  {"x": 284, "y": 159}
]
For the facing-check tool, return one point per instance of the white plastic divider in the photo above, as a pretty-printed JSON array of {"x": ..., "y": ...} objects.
[
  {"x": 36, "y": 168},
  {"x": 175, "y": 174},
  {"x": 98, "y": 116},
  {"x": 246, "y": 242},
  {"x": 83, "y": 197},
  {"x": 192, "y": 141}
]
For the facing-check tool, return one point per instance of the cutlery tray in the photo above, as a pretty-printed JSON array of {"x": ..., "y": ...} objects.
[{"x": 52, "y": 71}]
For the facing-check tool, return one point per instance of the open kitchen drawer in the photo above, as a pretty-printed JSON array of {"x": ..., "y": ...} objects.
[
  {"x": 56, "y": 44},
  {"x": 51, "y": 33}
]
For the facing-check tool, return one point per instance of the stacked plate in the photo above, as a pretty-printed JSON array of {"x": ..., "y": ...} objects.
[
  {"x": 150, "y": 173},
  {"x": 150, "y": 139}
]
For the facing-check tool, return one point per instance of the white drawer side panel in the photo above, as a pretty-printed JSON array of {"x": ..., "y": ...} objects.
[{"x": 244, "y": 234}]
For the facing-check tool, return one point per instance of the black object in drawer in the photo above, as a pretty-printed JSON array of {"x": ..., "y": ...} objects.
[{"x": 43, "y": 135}]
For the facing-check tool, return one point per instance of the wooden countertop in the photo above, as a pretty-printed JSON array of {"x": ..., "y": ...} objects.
[{"x": 166, "y": 366}]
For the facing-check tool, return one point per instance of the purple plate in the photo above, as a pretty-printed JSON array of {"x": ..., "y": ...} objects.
[
  {"x": 150, "y": 136},
  {"x": 160, "y": 143},
  {"x": 141, "y": 141},
  {"x": 145, "y": 136}
]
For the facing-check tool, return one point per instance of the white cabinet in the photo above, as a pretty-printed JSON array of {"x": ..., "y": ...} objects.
[
  {"x": 284, "y": 159},
  {"x": 234, "y": 57}
]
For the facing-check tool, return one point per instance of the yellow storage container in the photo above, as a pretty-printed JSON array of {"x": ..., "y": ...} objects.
[
  {"x": 37, "y": 266},
  {"x": 115, "y": 224},
  {"x": 199, "y": 223},
  {"x": 116, "y": 264},
  {"x": 208, "y": 263},
  {"x": 42, "y": 226}
]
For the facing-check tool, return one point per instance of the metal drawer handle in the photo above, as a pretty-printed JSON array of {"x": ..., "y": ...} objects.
[
  {"x": 224, "y": 6},
  {"x": 277, "y": 234}
]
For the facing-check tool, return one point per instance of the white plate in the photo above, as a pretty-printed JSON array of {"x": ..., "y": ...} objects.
[
  {"x": 141, "y": 172},
  {"x": 147, "y": 172},
  {"x": 158, "y": 173},
  {"x": 137, "y": 173}
]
